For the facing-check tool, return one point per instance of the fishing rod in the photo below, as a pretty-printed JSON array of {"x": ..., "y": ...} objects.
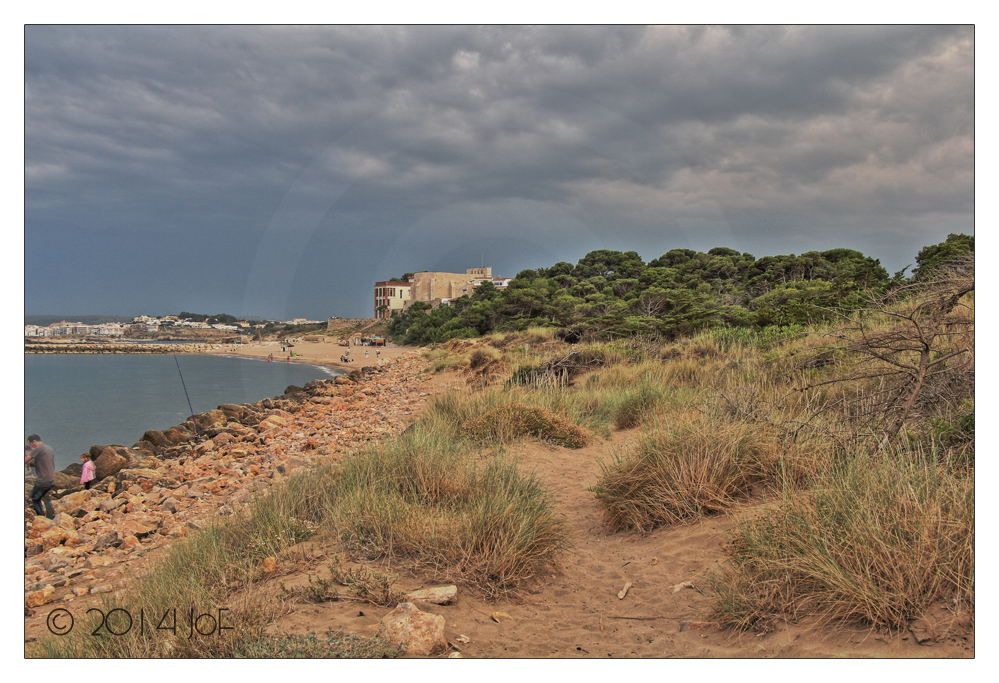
[{"x": 183, "y": 384}]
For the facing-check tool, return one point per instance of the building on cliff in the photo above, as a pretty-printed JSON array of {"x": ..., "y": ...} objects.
[
  {"x": 431, "y": 287},
  {"x": 390, "y": 296}
]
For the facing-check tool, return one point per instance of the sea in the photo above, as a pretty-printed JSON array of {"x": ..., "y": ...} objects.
[{"x": 73, "y": 401}]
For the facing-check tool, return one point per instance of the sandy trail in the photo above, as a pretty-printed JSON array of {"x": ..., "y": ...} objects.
[{"x": 577, "y": 612}]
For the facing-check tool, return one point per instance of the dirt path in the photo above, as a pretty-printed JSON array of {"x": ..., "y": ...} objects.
[{"x": 577, "y": 613}]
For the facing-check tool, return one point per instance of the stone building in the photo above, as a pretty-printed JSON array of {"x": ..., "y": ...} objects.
[{"x": 431, "y": 287}]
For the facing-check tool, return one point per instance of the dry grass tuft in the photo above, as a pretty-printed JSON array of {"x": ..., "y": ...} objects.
[
  {"x": 876, "y": 540},
  {"x": 682, "y": 471},
  {"x": 516, "y": 420}
]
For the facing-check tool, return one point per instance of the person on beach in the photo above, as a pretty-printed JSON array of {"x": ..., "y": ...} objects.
[
  {"x": 87, "y": 476},
  {"x": 42, "y": 459},
  {"x": 365, "y": 353}
]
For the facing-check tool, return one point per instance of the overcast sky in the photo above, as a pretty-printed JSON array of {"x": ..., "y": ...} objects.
[{"x": 280, "y": 172}]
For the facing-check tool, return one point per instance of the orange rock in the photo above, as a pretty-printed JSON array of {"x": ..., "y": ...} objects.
[
  {"x": 39, "y": 525},
  {"x": 269, "y": 565},
  {"x": 53, "y": 537},
  {"x": 39, "y": 598}
]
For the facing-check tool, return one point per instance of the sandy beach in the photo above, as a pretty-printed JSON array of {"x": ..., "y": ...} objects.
[{"x": 326, "y": 352}]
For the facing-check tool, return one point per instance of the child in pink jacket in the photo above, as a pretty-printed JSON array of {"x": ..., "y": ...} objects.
[{"x": 87, "y": 476}]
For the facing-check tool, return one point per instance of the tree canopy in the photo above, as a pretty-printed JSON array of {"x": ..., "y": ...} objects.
[{"x": 613, "y": 293}]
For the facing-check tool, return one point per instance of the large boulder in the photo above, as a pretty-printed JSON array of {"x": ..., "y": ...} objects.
[
  {"x": 243, "y": 414},
  {"x": 157, "y": 438},
  {"x": 62, "y": 482},
  {"x": 420, "y": 632},
  {"x": 71, "y": 503},
  {"x": 213, "y": 419},
  {"x": 73, "y": 470},
  {"x": 177, "y": 436},
  {"x": 109, "y": 463}
]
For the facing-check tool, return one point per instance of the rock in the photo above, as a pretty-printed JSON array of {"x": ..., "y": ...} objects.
[
  {"x": 136, "y": 528},
  {"x": 108, "y": 504},
  {"x": 52, "y": 564},
  {"x": 922, "y": 631},
  {"x": 169, "y": 505},
  {"x": 38, "y": 598},
  {"x": 213, "y": 419},
  {"x": 110, "y": 539},
  {"x": 439, "y": 595},
  {"x": 268, "y": 565},
  {"x": 72, "y": 503},
  {"x": 98, "y": 561},
  {"x": 65, "y": 521},
  {"x": 143, "y": 449},
  {"x": 420, "y": 632},
  {"x": 176, "y": 436},
  {"x": 39, "y": 525},
  {"x": 62, "y": 481},
  {"x": 32, "y": 548},
  {"x": 53, "y": 537},
  {"x": 157, "y": 438},
  {"x": 74, "y": 470},
  {"x": 109, "y": 464},
  {"x": 129, "y": 543}
]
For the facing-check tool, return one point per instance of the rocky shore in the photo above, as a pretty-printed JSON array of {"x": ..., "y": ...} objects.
[{"x": 175, "y": 481}]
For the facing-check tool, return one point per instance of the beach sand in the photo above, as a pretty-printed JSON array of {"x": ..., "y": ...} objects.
[{"x": 326, "y": 352}]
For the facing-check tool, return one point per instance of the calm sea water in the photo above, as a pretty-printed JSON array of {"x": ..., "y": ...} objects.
[{"x": 74, "y": 401}]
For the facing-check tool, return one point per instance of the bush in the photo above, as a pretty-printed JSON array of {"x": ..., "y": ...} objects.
[
  {"x": 427, "y": 498},
  {"x": 515, "y": 420},
  {"x": 876, "y": 540},
  {"x": 678, "y": 473}
]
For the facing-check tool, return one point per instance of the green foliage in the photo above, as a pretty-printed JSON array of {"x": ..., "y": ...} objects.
[
  {"x": 934, "y": 256},
  {"x": 612, "y": 294}
]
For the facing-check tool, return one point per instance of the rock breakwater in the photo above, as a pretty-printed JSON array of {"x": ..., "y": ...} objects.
[
  {"x": 174, "y": 481},
  {"x": 113, "y": 347}
]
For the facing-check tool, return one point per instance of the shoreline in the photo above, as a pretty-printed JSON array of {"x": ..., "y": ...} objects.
[
  {"x": 324, "y": 353},
  {"x": 160, "y": 492}
]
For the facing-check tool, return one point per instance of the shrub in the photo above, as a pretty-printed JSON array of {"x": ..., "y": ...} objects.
[
  {"x": 637, "y": 405},
  {"x": 427, "y": 498},
  {"x": 877, "y": 539},
  {"x": 515, "y": 420},
  {"x": 681, "y": 472}
]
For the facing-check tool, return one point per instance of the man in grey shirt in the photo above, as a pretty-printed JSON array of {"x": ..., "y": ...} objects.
[{"x": 43, "y": 460}]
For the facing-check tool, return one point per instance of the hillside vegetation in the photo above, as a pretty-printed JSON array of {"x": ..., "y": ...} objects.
[{"x": 613, "y": 294}]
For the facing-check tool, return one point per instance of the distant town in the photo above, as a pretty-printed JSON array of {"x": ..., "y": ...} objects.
[
  {"x": 143, "y": 324},
  {"x": 390, "y": 296}
]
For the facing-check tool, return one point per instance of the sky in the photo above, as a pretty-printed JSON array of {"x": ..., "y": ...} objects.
[{"x": 279, "y": 171}]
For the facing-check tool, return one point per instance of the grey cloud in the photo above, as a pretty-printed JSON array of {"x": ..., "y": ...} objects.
[{"x": 230, "y": 136}]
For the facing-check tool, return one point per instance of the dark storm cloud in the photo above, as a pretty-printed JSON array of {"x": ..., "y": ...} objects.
[{"x": 280, "y": 170}]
